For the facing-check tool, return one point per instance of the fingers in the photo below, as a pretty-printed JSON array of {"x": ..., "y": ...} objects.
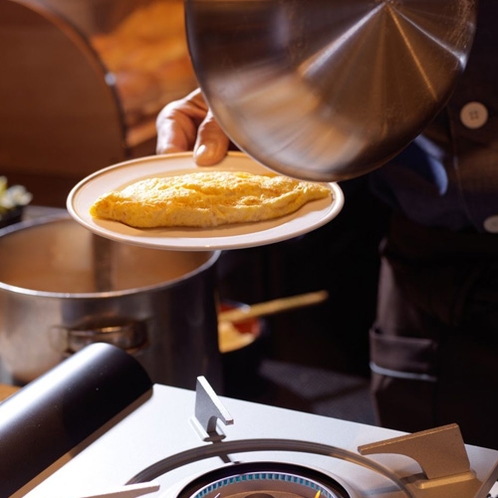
[
  {"x": 188, "y": 124},
  {"x": 211, "y": 145},
  {"x": 177, "y": 123},
  {"x": 175, "y": 134}
]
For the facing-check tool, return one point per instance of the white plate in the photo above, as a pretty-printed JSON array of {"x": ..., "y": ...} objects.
[{"x": 83, "y": 195}]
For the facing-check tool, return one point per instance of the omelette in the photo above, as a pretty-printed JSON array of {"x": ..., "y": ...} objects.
[{"x": 205, "y": 199}]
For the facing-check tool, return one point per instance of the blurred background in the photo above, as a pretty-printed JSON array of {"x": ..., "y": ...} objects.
[{"x": 82, "y": 83}]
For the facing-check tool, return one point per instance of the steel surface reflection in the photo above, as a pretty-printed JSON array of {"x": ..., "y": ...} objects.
[{"x": 327, "y": 89}]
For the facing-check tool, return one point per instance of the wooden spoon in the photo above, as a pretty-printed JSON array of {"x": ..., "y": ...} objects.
[{"x": 273, "y": 307}]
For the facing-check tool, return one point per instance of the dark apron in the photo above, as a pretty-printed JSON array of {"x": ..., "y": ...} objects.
[{"x": 434, "y": 346}]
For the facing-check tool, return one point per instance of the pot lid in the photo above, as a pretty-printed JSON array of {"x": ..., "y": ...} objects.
[{"x": 327, "y": 89}]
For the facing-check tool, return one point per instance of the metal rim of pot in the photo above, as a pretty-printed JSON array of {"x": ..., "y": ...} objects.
[{"x": 27, "y": 224}]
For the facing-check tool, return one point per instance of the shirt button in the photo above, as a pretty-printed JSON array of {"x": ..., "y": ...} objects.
[
  {"x": 474, "y": 115},
  {"x": 491, "y": 224}
]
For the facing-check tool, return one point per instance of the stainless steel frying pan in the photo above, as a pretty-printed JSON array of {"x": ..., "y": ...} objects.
[{"x": 327, "y": 89}]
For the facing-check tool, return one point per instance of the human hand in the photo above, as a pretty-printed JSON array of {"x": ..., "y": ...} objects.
[{"x": 188, "y": 124}]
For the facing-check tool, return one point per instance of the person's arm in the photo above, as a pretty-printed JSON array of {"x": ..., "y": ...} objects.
[{"x": 188, "y": 124}]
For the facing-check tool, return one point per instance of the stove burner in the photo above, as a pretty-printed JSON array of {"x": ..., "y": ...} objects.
[
  {"x": 441, "y": 455},
  {"x": 264, "y": 480},
  {"x": 223, "y": 449}
]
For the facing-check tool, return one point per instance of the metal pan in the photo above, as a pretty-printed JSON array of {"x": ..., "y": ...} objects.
[{"x": 327, "y": 89}]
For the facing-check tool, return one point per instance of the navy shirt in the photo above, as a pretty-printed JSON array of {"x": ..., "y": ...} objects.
[{"x": 448, "y": 177}]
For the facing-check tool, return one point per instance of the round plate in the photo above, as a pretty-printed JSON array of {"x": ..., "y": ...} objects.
[{"x": 237, "y": 236}]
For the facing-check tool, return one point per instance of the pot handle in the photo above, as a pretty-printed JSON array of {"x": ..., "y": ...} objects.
[{"x": 128, "y": 334}]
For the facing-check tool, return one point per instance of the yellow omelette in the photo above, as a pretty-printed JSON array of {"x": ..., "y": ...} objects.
[{"x": 205, "y": 199}]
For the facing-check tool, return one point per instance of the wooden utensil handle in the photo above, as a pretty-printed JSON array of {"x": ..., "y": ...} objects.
[{"x": 274, "y": 306}]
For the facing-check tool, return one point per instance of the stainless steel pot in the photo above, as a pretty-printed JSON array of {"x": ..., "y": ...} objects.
[{"x": 61, "y": 288}]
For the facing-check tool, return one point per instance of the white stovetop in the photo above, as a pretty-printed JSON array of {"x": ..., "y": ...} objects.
[{"x": 162, "y": 426}]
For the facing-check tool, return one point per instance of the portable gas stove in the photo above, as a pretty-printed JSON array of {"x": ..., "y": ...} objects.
[{"x": 101, "y": 429}]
